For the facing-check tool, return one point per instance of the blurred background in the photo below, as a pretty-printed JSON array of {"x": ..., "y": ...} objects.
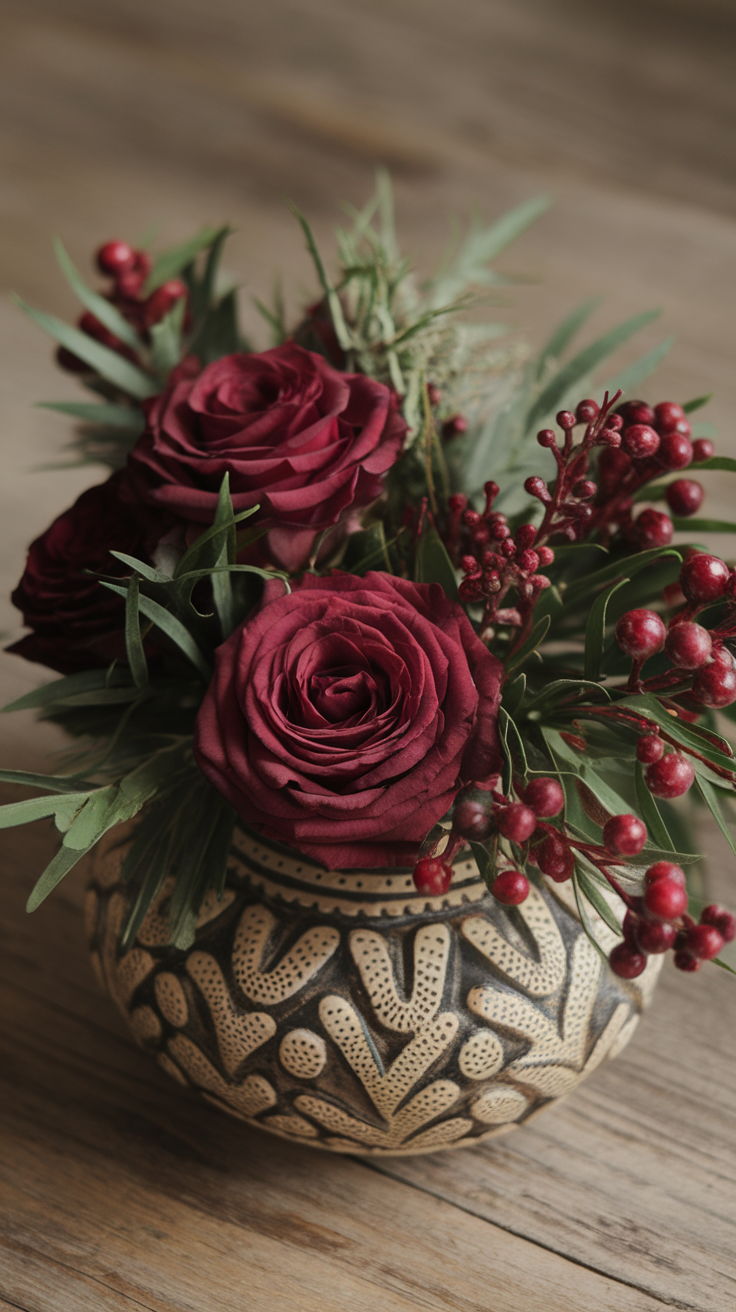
[{"x": 122, "y": 116}]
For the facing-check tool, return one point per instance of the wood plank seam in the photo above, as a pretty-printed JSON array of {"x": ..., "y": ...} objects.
[
  {"x": 76, "y": 1271},
  {"x": 381, "y": 1169}
]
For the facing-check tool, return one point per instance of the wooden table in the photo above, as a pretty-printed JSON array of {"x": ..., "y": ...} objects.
[{"x": 117, "y": 1189}]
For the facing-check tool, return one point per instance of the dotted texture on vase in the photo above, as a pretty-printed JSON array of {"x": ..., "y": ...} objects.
[{"x": 345, "y": 1010}]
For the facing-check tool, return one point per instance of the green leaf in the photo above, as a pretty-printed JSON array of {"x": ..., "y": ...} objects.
[
  {"x": 367, "y": 549},
  {"x": 170, "y": 264},
  {"x": 582, "y": 912},
  {"x": 513, "y": 742},
  {"x": 563, "y": 335},
  {"x": 536, "y": 637},
  {"x": 60, "y": 690},
  {"x": 140, "y": 567},
  {"x": 481, "y": 246},
  {"x": 582, "y": 364},
  {"x": 513, "y": 695},
  {"x": 724, "y": 965},
  {"x": 133, "y": 642},
  {"x": 204, "y": 290},
  {"x": 101, "y": 308},
  {"x": 166, "y": 339},
  {"x": 61, "y": 864},
  {"x": 634, "y": 374},
  {"x": 333, "y": 300},
  {"x": 107, "y": 416},
  {"x": 222, "y": 589},
  {"x": 595, "y": 631},
  {"x": 433, "y": 565},
  {"x": 485, "y": 860},
  {"x": 696, "y": 404},
  {"x": 171, "y": 626},
  {"x": 61, "y": 807},
  {"x": 219, "y": 333},
  {"x": 108, "y": 364},
  {"x": 688, "y": 735},
  {"x": 50, "y": 782},
  {"x": 703, "y": 525},
  {"x": 563, "y": 688},
  {"x": 649, "y": 812},
  {"x": 629, "y": 566},
  {"x": 592, "y": 892},
  {"x": 201, "y": 549},
  {"x": 712, "y": 801},
  {"x": 715, "y": 462}
]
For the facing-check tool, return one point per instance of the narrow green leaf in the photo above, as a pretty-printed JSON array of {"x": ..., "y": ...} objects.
[
  {"x": 514, "y": 742},
  {"x": 724, "y": 965},
  {"x": 219, "y": 333},
  {"x": 582, "y": 912},
  {"x": 171, "y": 626},
  {"x": 598, "y": 902},
  {"x": 133, "y": 642},
  {"x": 62, "y": 863},
  {"x": 688, "y": 735},
  {"x": 52, "y": 783},
  {"x": 582, "y": 364},
  {"x": 101, "y": 308},
  {"x": 108, "y": 364},
  {"x": 715, "y": 462},
  {"x": 712, "y": 801},
  {"x": 629, "y": 566},
  {"x": 204, "y": 291},
  {"x": 482, "y": 245},
  {"x": 536, "y": 637},
  {"x": 171, "y": 263},
  {"x": 433, "y": 565},
  {"x": 634, "y": 374},
  {"x": 61, "y": 806},
  {"x": 333, "y": 300},
  {"x": 367, "y": 549},
  {"x": 703, "y": 525},
  {"x": 166, "y": 339},
  {"x": 595, "y": 631},
  {"x": 513, "y": 694},
  {"x": 196, "y": 552},
  {"x": 649, "y": 812},
  {"x": 107, "y": 416},
  {"x": 564, "y": 333},
  {"x": 486, "y": 861},
  {"x": 140, "y": 567},
  {"x": 697, "y": 403},
  {"x": 62, "y": 689},
  {"x": 222, "y": 589}
]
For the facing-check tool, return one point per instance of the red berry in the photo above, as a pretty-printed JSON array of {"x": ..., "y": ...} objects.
[
  {"x": 669, "y": 777},
  {"x": 721, "y": 919},
  {"x": 516, "y": 822},
  {"x": 665, "y": 870},
  {"x": 454, "y": 427},
  {"x": 585, "y": 489},
  {"x": 130, "y": 285},
  {"x": 547, "y": 437},
  {"x": 653, "y": 529},
  {"x": 624, "y": 835},
  {"x": 586, "y": 411},
  {"x": 704, "y": 578},
  {"x": 536, "y": 487},
  {"x": 511, "y": 888},
  {"x": 665, "y": 899},
  {"x": 72, "y": 363},
  {"x": 565, "y": 419},
  {"x": 640, "y": 633},
  {"x": 655, "y": 936},
  {"x": 432, "y": 876},
  {"x": 93, "y": 328},
  {"x": 684, "y": 961},
  {"x": 434, "y": 395},
  {"x": 640, "y": 441},
  {"x": 703, "y": 942},
  {"x": 675, "y": 451},
  {"x": 685, "y": 496},
  {"x": 163, "y": 299},
  {"x": 703, "y": 449},
  {"x": 688, "y": 645},
  {"x": 613, "y": 466},
  {"x": 115, "y": 257},
  {"x": 625, "y": 962},
  {"x": 525, "y": 536},
  {"x": 528, "y": 561},
  {"x": 546, "y": 555},
  {"x": 649, "y": 748},
  {"x": 715, "y": 685},
  {"x": 472, "y": 818},
  {"x": 544, "y": 796},
  {"x": 554, "y": 858},
  {"x": 636, "y": 412},
  {"x": 667, "y": 414}
]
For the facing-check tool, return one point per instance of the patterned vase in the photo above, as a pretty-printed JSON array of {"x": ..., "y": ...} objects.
[{"x": 345, "y": 1010}]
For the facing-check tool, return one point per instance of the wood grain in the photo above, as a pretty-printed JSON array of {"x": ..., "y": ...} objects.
[{"x": 117, "y": 1190}]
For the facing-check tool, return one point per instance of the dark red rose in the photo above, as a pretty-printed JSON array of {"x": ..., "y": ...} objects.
[
  {"x": 301, "y": 440},
  {"x": 344, "y": 717},
  {"x": 77, "y": 624}
]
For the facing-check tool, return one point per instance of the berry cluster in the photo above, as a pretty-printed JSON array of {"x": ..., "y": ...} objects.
[
  {"x": 658, "y": 920},
  {"x": 700, "y": 657},
  {"x": 129, "y": 270}
]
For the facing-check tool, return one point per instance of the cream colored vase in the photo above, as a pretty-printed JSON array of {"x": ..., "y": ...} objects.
[{"x": 344, "y": 1010}]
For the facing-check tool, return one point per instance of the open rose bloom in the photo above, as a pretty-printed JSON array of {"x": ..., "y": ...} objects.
[{"x": 301, "y": 604}]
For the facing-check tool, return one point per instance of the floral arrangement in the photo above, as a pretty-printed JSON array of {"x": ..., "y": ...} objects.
[{"x": 386, "y": 591}]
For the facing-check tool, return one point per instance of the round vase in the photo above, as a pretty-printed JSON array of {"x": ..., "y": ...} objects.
[{"x": 345, "y": 1010}]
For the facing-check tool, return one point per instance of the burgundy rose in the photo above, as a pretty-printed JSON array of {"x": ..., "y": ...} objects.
[
  {"x": 299, "y": 439},
  {"x": 77, "y": 624},
  {"x": 344, "y": 717}
]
